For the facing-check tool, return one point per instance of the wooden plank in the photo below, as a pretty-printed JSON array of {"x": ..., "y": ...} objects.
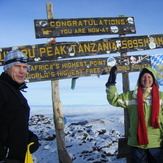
[
  {"x": 47, "y": 28},
  {"x": 63, "y": 69},
  {"x": 59, "y": 50}
]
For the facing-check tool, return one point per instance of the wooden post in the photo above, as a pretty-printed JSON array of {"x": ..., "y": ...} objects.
[
  {"x": 57, "y": 110},
  {"x": 126, "y": 87},
  {"x": 123, "y": 148}
]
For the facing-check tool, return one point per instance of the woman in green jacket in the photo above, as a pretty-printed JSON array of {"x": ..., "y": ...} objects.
[{"x": 145, "y": 110}]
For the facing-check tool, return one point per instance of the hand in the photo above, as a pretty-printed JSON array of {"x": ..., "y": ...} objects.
[
  {"x": 112, "y": 77},
  {"x": 33, "y": 147},
  {"x": 33, "y": 139}
]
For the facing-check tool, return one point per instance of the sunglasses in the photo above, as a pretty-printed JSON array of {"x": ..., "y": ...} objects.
[{"x": 21, "y": 60}]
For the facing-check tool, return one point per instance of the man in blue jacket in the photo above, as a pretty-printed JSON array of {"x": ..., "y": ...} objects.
[{"x": 14, "y": 110}]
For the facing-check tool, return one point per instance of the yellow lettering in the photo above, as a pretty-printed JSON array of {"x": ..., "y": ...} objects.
[
  {"x": 57, "y": 51},
  {"x": 93, "y": 30},
  {"x": 81, "y": 50},
  {"x": 140, "y": 42},
  {"x": 74, "y": 48},
  {"x": 146, "y": 42},
  {"x": 123, "y": 68},
  {"x": 49, "y": 51},
  {"x": 93, "y": 45},
  {"x": 85, "y": 22},
  {"x": 106, "y": 29},
  {"x": 87, "y": 48},
  {"x": 159, "y": 41},
  {"x": 52, "y": 24},
  {"x": 80, "y": 30},
  {"x": 46, "y": 32},
  {"x": 62, "y": 49},
  {"x": 93, "y": 71},
  {"x": 42, "y": 51},
  {"x": 100, "y": 22},
  {"x": 130, "y": 44},
  {"x": 114, "y": 46},
  {"x": 106, "y": 46},
  {"x": 74, "y": 22}
]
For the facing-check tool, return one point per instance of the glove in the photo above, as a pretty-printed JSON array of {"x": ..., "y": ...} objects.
[
  {"x": 112, "y": 77},
  {"x": 35, "y": 145}
]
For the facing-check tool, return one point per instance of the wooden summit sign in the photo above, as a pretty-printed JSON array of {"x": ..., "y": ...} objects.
[
  {"x": 59, "y": 50},
  {"x": 54, "y": 70},
  {"x": 48, "y": 28}
]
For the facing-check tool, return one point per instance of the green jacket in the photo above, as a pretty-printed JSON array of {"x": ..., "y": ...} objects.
[{"x": 128, "y": 101}]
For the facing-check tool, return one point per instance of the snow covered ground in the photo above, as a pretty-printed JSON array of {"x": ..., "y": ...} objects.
[{"x": 91, "y": 133}]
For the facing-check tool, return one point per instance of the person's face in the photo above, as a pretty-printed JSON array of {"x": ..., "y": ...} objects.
[
  {"x": 146, "y": 80},
  {"x": 18, "y": 72}
]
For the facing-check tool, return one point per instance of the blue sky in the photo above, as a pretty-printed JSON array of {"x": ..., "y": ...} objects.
[{"x": 17, "y": 28}]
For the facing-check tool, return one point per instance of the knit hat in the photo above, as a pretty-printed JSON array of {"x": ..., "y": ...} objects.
[
  {"x": 145, "y": 70},
  {"x": 13, "y": 57}
]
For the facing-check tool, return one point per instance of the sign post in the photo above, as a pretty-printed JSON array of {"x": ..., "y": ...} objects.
[
  {"x": 126, "y": 87},
  {"x": 63, "y": 155}
]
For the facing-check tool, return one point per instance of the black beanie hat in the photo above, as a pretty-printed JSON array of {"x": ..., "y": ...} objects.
[{"x": 145, "y": 70}]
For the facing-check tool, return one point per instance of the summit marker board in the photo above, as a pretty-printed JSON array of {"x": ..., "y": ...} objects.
[
  {"x": 48, "y": 28},
  {"x": 63, "y": 69},
  {"x": 60, "y": 50}
]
